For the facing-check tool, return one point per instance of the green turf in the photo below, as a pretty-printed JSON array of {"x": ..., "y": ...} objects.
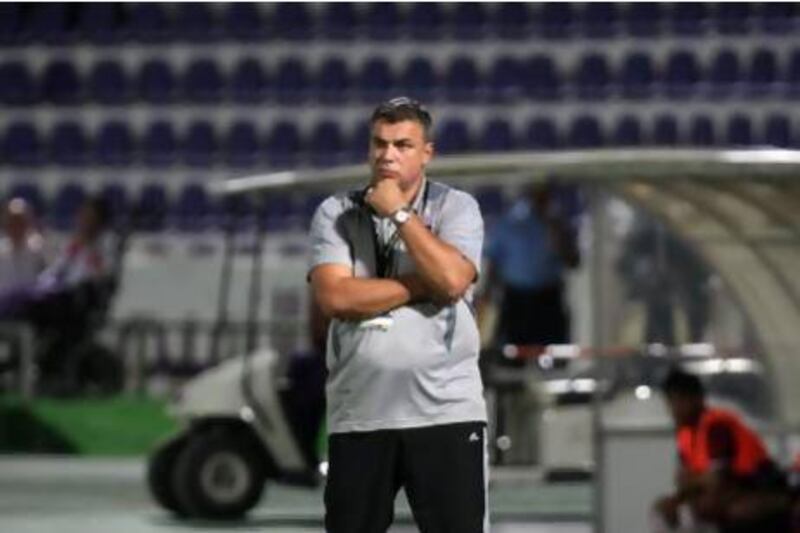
[{"x": 117, "y": 426}]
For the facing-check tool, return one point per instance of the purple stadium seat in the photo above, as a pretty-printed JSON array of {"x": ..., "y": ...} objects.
[
  {"x": 200, "y": 146},
  {"x": 504, "y": 83},
  {"x": 12, "y": 30},
  {"x": 68, "y": 144},
  {"x": 203, "y": 82},
  {"x": 333, "y": 84},
  {"x": 382, "y": 21},
  {"x": 740, "y": 131},
  {"x": 196, "y": 22},
  {"x": 292, "y": 21},
  {"x": 284, "y": 145},
  {"x": 584, "y": 132},
  {"x": 643, "y": 19},
  {"x": 291, "y": 82},
  {"x": 60, "y": 83},
  {"x": 689, "y": 18},
  {"x": 51, "y": 23},
  {"x": 249, "y": 82},
  {"x": 462, "y": 83},
  {"x": 116, "y": 198},
  {"x": 453, "y": 137},
  {"x": 113, "y": 144},
  {"x": 244, "y": 21},
  {"x": 592, "y": 78},
  {"x": 66, "y": 203},
  {"x": 701, "y": 132},
  {"x": 21, "y": 145},
  {"x": 627, "y": 132},
  {"x": 763, "y": 76},
  {"x": 418, "y": 79},
  {"x": 733, "y": 18},
  {"x": 599, "y": 20},
  {"x": 326, "y": 145},
  {"x": 497, "y": 136},
  {"x": 725, "y": 76},
  {"x": 424, "y": 21},
  {"x": 149, "y": 23},
  {"x": 102, "y": 22},
  {"x": 681, "y": 75},
  {"x": 636, "y": 78},
  {"x": 792, "y": 87},
  {"x": 340, "y": 21},
  {"x": 358, "y": 143},
  {"x": 541, "y": 79},
  {"x": 491, "y": 201},
  {"x": 777, "y": 18},
  {"x": 235, "y": 213},
  {"x": 156, "y": 82},
  {"x": 468, "y": 20},
  {"x": 665, "y": 131},
  {"x": 152, "y": 207},
  {"x": 108, "y": 83},
  {"x": 778, "y": 131},
  {"x": 375, "y": 80},
  {"x": 542, "y": 134},
  {"x": 242, "y": 145},
  {"x": 556, "y": 20},
  {"x": 192, "y": 211},
  {"x": 159, "y": 144},
  {"x": 17, "y": 86}
]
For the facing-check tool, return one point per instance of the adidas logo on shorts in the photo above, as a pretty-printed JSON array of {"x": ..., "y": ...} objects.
[{"x": 473, "y": 437}]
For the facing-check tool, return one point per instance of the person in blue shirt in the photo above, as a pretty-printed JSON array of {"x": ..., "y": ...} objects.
[{"x": 528, "y": 252}]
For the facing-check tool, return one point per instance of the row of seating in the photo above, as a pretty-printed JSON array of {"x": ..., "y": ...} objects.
[
  {"x": 191, "y": 209},
  {"x": 760, "y": 73},
  {"x": 104, "y": 23},
  {"x": 284, "y": 145}
]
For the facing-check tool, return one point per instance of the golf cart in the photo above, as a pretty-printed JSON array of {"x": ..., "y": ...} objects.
[{"x": 251, "y": 419}]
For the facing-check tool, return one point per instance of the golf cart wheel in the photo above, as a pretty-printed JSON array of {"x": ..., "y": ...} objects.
[
  {"x": 160, "y": 470},
  {"x": 218, "y": 476}
]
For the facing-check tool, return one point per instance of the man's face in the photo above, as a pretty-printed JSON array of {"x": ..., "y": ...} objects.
[
  {"x": 399, "y": 151},
  {"x": 683, "y": 408}
]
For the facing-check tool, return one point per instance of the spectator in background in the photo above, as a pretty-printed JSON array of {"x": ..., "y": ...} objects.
[
  {"x": 726, "y": 479},
  {"x": 529, "y": 250},
  {"x": 22, "y": 255}
]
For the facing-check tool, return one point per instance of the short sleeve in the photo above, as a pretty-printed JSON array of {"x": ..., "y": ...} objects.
[
  {"x": 462, "y": 225},
  {"x": 328, "y": 242}
]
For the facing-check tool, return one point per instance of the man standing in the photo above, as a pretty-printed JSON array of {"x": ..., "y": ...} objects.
[
  {"x": 394, "y": 267},
  {"x": 22, "y": 255}
]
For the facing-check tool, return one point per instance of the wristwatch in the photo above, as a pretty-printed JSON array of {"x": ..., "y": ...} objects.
[{"x": 401, "y": 216}]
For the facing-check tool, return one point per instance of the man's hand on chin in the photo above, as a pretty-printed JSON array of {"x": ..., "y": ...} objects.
[{"x": 385, "y": 196}]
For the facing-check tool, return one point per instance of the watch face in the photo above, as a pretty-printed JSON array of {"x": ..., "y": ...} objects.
[{"x": 402, "y": 216}]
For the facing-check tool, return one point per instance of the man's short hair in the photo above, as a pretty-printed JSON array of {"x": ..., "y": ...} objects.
[
  {"x": 680, "y": 382},
  {"x": 403, "y": 108}
]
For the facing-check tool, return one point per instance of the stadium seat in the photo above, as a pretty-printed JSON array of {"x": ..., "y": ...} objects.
[
  {"x": 375, "y": 80},
  {"x": 462, "y": 83},
  {"x": 724, "y": 77},
  {"x": 32, "y": 194},
  {"x": 159, "y": 144},
  {"x": 17, "y": 86},
  {"x": 149, "y": 23},
  {"x": 332, "y": 83},
  {"x": 688, "y": 18},
  {"x": 491, "y": 201},
  {"x": 115, "y": 197},
  {"x": 340, "y": 21},
  {"x": 665, "y": 131},
  {"x": 627, "y": 132},
  {"x": 585, "y": 132},
  {"x": 681, "y": 76},
  {"x": 51, "y": 23},
  {"x": 740, "y": 131},
  {"x": 113, "y": 144},
  {"x": 244, "y": 22},
  {"x": 21, "y": 144},
  {"x": 643, "y": 19},
  {"x": 196, "y": 22},
  {"x": 541, "y": 79},
  {"x": 592, "y": 78},
  {"x": 776, "y": 18},
  {"x": 418, "y": 80},
  {"x": 636, "y": 77},
  {"x": 542, "y": 134},
  {"x": 511, "y": 21},
  {"x": 733, "y": 18},
  {"x": 792, "y": 88},
  {"x": 453, "y": 137},
  {"x": 156, "y": 83},
  {"x": 599, "y": 20},
  {"x": 152, "y": 208},
  {"x": 12, "y": 30},
  {"x": 763, "y": 76},
  {"x": 701, "y": 132},
  {"x": 382, "y": 21},
  {"x": 292, "y": 21},
  {"x": 358, "y": 143},
  {"x": 200, "y": 146},
  {"x": 235, "y": 213},
  {"x": 60, "y": 83},
  {"x": 108, "y": 83},
  {"x": 291, "y": 82},
  {"x": 284, "y": 145},
  {"x": 242, "y": 145},
  {"x": 101, "y": 22},
  {"x": 68, "y": 144},
  {"x": 280, "y": 211},
  {"x": 504, "y": 83},
  {"x": 555, "y": 21},
  {"x": 192, "y": 210},
  {"x": 468, "y": 21},
  {"x": 69, "y": 198},
  {"x": 203, "y": 82},
  {"x": 326, "y": 145},
  {"x": 249, "y": 82},
  {"x": 778, "y": 131},
  {"x": 424, "y": 21},
  {"x": 497, "y": 136}
]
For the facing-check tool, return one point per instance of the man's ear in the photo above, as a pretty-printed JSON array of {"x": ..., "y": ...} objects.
[{"x": 429, "y": 152}]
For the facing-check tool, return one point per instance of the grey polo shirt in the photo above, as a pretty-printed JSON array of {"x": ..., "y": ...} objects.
[{"x": 417, "y": 365}]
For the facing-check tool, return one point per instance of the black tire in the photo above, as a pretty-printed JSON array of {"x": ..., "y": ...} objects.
[
  {"x": 219, "y": 475},
  {"x": 160, "y": 472}
]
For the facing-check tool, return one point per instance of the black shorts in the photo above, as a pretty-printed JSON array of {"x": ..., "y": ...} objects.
[{"x": 443, "y": 470}]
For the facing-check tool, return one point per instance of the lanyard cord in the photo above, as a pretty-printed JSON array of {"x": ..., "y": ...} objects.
[{"x": 384, "y": 253}]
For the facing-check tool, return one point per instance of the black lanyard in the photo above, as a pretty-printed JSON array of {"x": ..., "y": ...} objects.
[{"x": 384, "y": 253}]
